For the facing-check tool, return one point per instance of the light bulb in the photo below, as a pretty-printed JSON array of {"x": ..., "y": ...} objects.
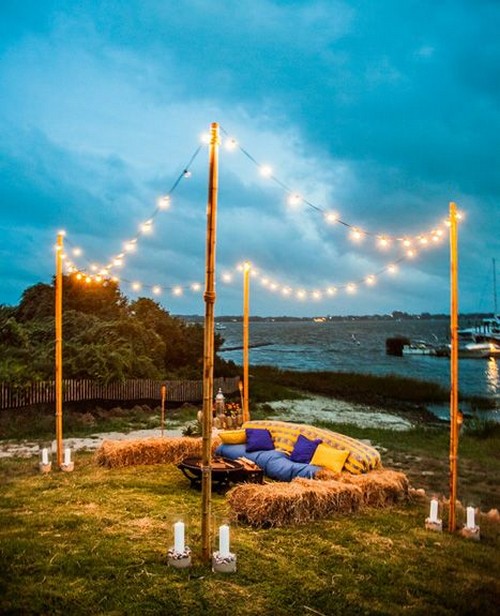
[
  {"x": 331, "y": 217},
  {"x": 177, "y": 291},
  {"x": 205, "y": 138},
  {"x": 136, "y": 286},
  {"x": 294, "y": 199},
  {"x": 164, "y": 202},
  {"x": 156, "y": 290},
  {"x": 266, "y": 171},
  {"x": 231, "y": 144}
]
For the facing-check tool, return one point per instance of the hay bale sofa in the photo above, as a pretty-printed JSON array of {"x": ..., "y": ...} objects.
[
  {"x": 285, "y": 450},
  {"x": 350, "y": 473}
]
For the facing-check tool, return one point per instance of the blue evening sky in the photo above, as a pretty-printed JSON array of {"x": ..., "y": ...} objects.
[{"x": 379, "y": 111}]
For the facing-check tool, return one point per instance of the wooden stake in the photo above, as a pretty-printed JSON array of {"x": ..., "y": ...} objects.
[
  {"x": 163, "y": 397},
  {"x": 58, "y": 340},
  {"x": 453, "y": 366},
  {"x": 208, "y": 354}
]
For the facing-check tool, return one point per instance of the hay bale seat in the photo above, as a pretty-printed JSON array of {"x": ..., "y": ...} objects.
[
  {"x": 304, "y": 500},
  {"x": 168, "y": 450}
]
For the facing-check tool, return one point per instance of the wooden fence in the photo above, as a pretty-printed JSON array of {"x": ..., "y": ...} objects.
[{"x": 14, "y": 396}]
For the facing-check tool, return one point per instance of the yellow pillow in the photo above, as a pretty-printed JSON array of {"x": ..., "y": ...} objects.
[
  {"x": 330, "y": 458},
  {"x": 233, "y": 437}
]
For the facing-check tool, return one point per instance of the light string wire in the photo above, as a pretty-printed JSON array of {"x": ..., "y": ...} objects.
[
  {"x": 163, "y": 203},
  {"x": 266, "y": 281},
  {"x": 357, "y": 232},
  {"x": 271, "y": 284}
]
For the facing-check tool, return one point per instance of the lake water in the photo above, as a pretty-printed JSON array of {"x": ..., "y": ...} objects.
[{"x": 307, "y": 345}]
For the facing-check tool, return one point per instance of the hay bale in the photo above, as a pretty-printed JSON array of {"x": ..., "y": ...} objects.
[
  {"x": 297, "y": 502},
  {"x": 169, "y": 450},
  {"x": 380, "y": 488}
]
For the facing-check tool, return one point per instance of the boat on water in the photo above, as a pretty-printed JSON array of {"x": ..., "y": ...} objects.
[
  {"x": 467, "y": 349},
  {"x": 487, "y": 330},
  {"x": 220, "y": 326},
  {"x": 419, "y": 347},
  {"x": 472, "y": 350}
]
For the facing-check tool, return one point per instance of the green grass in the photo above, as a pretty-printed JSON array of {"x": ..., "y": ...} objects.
[
  {"x": 40, "y": 423},
  {"x": 387, "y": 390},
  {"x": 94, "y": 542}
]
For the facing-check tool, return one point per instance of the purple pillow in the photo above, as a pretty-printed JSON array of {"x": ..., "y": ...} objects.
[
  {"x": 304, "y": 449},
  {"x": 258, "y": 439}
]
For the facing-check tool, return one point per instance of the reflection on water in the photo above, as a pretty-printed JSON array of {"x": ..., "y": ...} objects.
[{"x": 492, "y": 376}]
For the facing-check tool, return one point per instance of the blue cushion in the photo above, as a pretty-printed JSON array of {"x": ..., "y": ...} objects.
[
  {"x": 304, "y": 449},
  {"x": 258, "y": 440},
  {"x": 276, "y": 464},
  {"x": 283, "y": 469}
]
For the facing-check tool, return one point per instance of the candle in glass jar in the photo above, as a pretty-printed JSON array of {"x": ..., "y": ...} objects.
[
  {"x": 224, "y": 540},
  {"x": 179, "y": 537},
  {"x": 434, "y": 510},
  {"x": 471, "y": 522},
  {"x": 67, "y": 456},
  {"x": 45, "y": 455}
]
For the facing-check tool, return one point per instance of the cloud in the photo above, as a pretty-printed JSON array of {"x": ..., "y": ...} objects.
[{"x": 381, "y": 112}]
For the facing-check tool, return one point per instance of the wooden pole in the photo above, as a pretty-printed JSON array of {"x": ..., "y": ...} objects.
[
  {"x": 163, "y": 396},
  {"x": 453, "y": 366},
  {"x": 208, "y": 354},
  {"x": 246, "y": 311},
  {"x": 58, "y": 358}
]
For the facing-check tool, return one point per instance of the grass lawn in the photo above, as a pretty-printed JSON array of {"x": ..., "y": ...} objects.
[{"x": 94, "y": 542}]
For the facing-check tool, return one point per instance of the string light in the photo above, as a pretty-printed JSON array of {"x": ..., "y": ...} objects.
[{"x": 294, "y": 198}]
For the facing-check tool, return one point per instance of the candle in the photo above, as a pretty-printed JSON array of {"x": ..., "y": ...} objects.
[
  {"x": 434, "y": 510},
  {"x": 471, "y": 523},
  {"x": 45, "y": 455},
  {"x": 179, "y": 537},
  {"x": 224, "y": 540},
  {"x": 67, "y": 456}
]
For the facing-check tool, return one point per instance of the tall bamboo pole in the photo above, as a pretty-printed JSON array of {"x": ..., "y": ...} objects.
[
  {"x": 246, "y": 312},
  {"x": 58, "y": 358},
  {"x": 208, "y": 354},
  {"x": 453, "y": 366}
]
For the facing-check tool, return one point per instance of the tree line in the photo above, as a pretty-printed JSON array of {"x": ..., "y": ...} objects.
[{"x": 106, "y": 337}]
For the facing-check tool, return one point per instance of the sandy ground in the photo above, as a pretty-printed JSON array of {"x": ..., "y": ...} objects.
[
  {"x": 338, "y": 411},
  {"x": 313, "y": 408}
]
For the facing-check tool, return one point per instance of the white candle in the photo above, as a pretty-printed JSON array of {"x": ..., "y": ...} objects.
[
  {"x": 471, "y": 523},
  {"x": 67, "y": 456},
  {"x": 434, "y": 510},
  {"x": 224, "y": 540},
  {"x": 179, "y": 537},
  {"x": 45, "y": 455}
]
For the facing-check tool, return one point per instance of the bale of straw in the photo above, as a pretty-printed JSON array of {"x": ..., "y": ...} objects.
[
  {"x": 170, "y": 450},
  {"x": 298, "y": 502},
  {"x": 380, "y": 488}
]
